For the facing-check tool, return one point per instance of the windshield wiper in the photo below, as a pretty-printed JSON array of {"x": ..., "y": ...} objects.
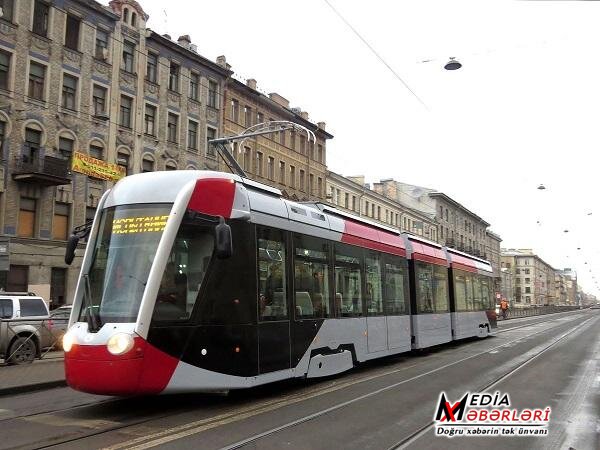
[{"x": 91, "y": 318}]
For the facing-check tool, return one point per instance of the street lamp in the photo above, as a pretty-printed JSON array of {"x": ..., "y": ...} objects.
[{"x": 453, "y": 64}]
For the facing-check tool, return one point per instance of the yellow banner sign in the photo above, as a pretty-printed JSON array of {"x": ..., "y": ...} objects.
[{"x": 97, "y": 168}]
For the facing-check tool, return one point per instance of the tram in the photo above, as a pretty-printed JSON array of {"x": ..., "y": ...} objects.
[{"x": 207, "y": 281}]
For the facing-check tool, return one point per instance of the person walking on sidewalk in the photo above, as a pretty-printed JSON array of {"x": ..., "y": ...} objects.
[{"x": 504, "y": 308}]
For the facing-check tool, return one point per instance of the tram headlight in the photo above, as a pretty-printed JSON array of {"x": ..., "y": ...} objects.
[
  {"x": 67, "y": 342},
  {"x": 120, "y": 343}
]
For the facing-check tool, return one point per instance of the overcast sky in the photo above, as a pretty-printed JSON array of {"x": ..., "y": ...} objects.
[{"x": 523, "y": 110}]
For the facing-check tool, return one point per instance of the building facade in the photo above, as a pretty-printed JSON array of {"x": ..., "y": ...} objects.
[
  {"x": 534, "y": 279},
  {"x": 287, "y": 159},
  {"x": 76, "y": 76},
  {"x": 352, "y": 194}
]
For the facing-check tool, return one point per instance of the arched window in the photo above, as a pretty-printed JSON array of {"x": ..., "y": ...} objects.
[
  {"x": 147, "y": 163},
  {"x": 125, "y": 15},
  {"x": 171, "y": 165},
  {"x": 97, "y": 149},
  {"x": 133, "y": 19},
  {"x": 123, "y": 159}
]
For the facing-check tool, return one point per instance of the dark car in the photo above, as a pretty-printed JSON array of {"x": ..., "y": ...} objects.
[{"x": 58, "y": 323}]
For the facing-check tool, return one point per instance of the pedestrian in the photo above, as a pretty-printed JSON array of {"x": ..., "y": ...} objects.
[{"x": 504, "y": 308}]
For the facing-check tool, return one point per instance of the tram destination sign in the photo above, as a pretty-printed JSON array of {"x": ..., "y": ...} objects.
[{"x": 139, "y": 224}]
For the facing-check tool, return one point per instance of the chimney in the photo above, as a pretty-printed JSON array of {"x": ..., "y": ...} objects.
[
  {"x": 321, "y": 125},
  {"x": 304, "y": 115},
  {"x": 279, "y": 99},
  {"x": 222, "y": 61},
  {"x": 184, "y": 41},
  {"x": 359, "y": 179},
  {"x": 251, "y": 83},
  {"x": 194, "y": 48},
  {"x": 167, "y": 36}
]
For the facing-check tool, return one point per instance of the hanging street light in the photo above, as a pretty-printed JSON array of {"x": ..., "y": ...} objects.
[
  {"x": 453, "y": 64},
  {"x": 541, "y": 187}
]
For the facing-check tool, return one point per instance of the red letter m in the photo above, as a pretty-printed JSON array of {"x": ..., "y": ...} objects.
[{"x": 451, "y": 412}]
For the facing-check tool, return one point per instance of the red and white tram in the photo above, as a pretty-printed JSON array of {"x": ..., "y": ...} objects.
[{"x": 201, "y": 281}]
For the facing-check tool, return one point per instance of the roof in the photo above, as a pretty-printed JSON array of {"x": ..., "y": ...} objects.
[
  {"x": 282, "y": 109},
  {"x": 458, "y": 205}
]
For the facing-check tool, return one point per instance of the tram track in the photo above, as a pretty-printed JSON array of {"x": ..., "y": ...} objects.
[
  {"x": 259, "y": 407},
  {"x": 193, "y": 428}
]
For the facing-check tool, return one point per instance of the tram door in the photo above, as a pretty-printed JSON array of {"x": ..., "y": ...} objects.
[{"x": 273, "y": 300}]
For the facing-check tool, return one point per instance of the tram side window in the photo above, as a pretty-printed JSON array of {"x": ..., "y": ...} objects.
[
  {"x": 396, "y": 285},
  {"x": 485, "y": 293},
  {"x": 271, "y": 275},
  {"x": 373, "y": 294},
  {"x": 311, "y": 277},
  {"x": 440, "y": 289},
  {"x": 348, "y": 281},
  {"x": 424, "y": 277},
  {"x": 460, "y": 291},
  {"x": 432, "y": 288},
  {"x": 184, "y": 273},
  {"x": 477, "y": 299},
  {"x": 469, "y": 285}
]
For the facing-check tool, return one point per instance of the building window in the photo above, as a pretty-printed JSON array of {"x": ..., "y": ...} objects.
[
  {"x": 65, "y": 147},
  {"x": 33, "y": 140},
  {"x": 195, "y": 86},
  {"x": 320, "y": 186},
  {"x": 150, "y": 120},
  {"x": 282, "y": 137},
  {"x": 147, "y": 164},
  {"x": 72, "y": 32},
  {"x": 60, "y": 223},
  {"x": 41, "y": 12},
  {"x": 69, "y": 92},
  {"x": 123, "y": 161},
  {"x": 172, "y": 125},
  {"x": 101, "y": 44},
  {"x": 312, "y": 150},
  {"x": 213, "y": 91},
  {"x": 27, "y": 208},
  {"x": 271, "y": 168},
  {"x": 293, "y": 139},
  {"x": 90, "y": 213},
  {"x": 174, "y": 77},
  {"x": 4, "y": 69},
  {"x": 211, "y": 133},
  {"x": 7, "y": 9},
  {"x": 247, "y": 116},
  {"x": 282, "y": 172},
  {"x": 354, "y": 203},
  {"x": 302, "y": 145},
  {"x": 2, "y": 134},
  {"x": 126, "y": 15},
  {"x": 99, "y": 100},
  {"x": 128, "y": 53},
  {"x": 320, "y": 153},
  {"x": 133, "y": 19},
  {"x": 346, "y": 200},
  {"x": 247, "y": 159},
  {"x": 235, "y": 110},
  {"x": 259, "y": 117},
  {"x": 125, "y": 112},
  {"x": 37, "y": 76},
  {"x": 192, "y": 135},
  {"x": 170, "y": 166},
  {"x": 259, "y": 164},
  {"x": 302, "y": 180},
  {"x": 292, "y": 176},
  {"x": 311, "y": 184},
  {"x": 152, "y": 67},
  {"x": 97, "y": 151}
]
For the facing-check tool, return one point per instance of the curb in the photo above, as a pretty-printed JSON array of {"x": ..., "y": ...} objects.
[{"x": 32, "y": 387}]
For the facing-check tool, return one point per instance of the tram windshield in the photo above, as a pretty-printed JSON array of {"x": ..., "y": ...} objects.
[{"x": 127, "y": 240}]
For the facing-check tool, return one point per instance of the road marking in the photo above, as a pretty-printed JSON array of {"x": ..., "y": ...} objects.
[{"x": 182, "y": 431}]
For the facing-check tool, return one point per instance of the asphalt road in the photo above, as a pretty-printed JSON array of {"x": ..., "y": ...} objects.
[{"x": 539, "y": 361}]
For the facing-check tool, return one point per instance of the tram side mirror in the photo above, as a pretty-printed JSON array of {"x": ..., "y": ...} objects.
[
  {"x": 223, "y": 239},
  {"x": 71, "y": 247}
]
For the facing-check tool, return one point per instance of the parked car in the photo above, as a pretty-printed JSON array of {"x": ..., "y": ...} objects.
[
  {"x": 23, "y": 330},
  {"x": 58, "y": 323}
]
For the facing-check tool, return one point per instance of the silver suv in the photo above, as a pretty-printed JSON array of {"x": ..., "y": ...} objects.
[{"x": 23, "y": 327}]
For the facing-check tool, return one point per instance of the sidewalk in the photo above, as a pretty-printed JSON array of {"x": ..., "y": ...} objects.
[{"x": 41, "y": 374}]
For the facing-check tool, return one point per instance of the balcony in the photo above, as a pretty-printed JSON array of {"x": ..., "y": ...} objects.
[{"x": 45, "y": 171}]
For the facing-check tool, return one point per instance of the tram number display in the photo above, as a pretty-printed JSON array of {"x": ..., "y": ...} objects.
[{"x": 137, "y": 225}]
